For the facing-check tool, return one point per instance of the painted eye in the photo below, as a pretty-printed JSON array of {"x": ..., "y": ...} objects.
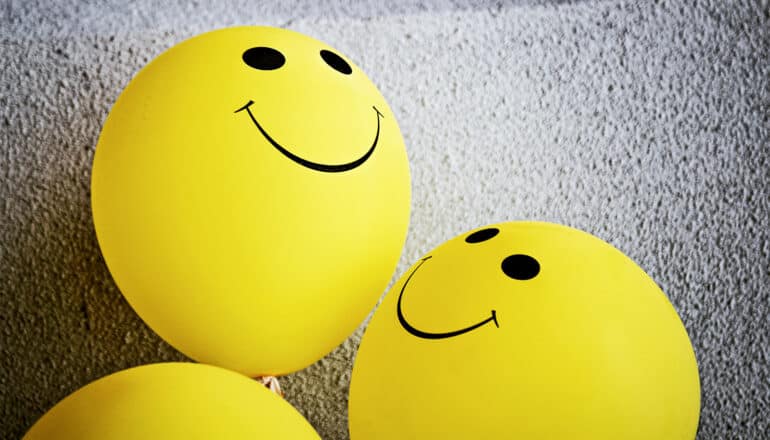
[
  {"x": 482, "y": 235},
  {"x": 520, "y": 267},
  {"x": 336, "y": 62},
  {"x": 263, "y": 58}
]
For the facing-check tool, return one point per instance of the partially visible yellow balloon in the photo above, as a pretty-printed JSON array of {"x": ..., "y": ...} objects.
[
  {"x": 172, "y": 401},
  {"x": 525, "y": 330},
  {"x": 250, "y": 194}
]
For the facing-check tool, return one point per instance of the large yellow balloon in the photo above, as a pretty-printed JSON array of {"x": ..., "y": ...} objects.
[
  {"x": 251, "y": 195},
  {"x": 172, "y": 401},
  {"x": 525, "y": 330}
]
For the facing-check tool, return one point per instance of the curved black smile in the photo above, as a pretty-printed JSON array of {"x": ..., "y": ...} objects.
[
  {"x": 426, "y": 335},
  {"x": 315, "y": 165}
]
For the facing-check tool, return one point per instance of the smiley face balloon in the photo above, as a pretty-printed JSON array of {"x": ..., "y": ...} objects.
[
  {"x": 525, "y": 330},
  {"x": 172, "y": 401},
  {"x": 251, "y": 194}
]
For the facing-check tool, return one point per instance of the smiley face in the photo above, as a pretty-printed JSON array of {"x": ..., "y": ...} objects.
[
  {"x": 525, "y": 330},
  {"x": 517, "y": 267},
  {"x": 239, "y": 180},
  {"x": 266, "y": 58}
]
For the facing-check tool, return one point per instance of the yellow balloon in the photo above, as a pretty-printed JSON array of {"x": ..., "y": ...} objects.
[
  {"x": 250, "y": 195},
  {"x": 525, "y": 330},
  {"x": 172, "y": 401}
]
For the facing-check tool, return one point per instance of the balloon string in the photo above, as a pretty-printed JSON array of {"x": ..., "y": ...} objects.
[{"x": 271, "y": 383}]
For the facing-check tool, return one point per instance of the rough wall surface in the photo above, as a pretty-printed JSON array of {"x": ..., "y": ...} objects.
[{"x": 645, "y": 123}]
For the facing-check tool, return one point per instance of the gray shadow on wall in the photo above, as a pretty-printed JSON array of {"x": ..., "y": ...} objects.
[{"x": 64, "y": 322}]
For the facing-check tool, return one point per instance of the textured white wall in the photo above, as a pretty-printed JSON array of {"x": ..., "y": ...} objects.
[{"x": 645, "y": 123}]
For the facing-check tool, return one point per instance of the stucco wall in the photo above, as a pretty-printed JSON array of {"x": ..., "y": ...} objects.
[{"x": 645, "y": 123}]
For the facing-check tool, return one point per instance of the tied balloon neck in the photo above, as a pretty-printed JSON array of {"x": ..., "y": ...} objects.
[{"x": 271, "y": 383}]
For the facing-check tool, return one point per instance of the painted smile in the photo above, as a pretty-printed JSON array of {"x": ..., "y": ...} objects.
[
  {"x": 334, "y": 168},
  {"x": 427, "y": 335}
]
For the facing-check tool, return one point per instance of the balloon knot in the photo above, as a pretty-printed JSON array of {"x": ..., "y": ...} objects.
[{"x": 271, "y": 383}]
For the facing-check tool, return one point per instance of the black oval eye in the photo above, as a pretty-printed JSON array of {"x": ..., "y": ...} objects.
[
  {"x": 263, "y": 58},
  {"x": 482, "y": 235},
  {"x": 336, "y": 62},
  {"x": 520, "y": 267}
]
